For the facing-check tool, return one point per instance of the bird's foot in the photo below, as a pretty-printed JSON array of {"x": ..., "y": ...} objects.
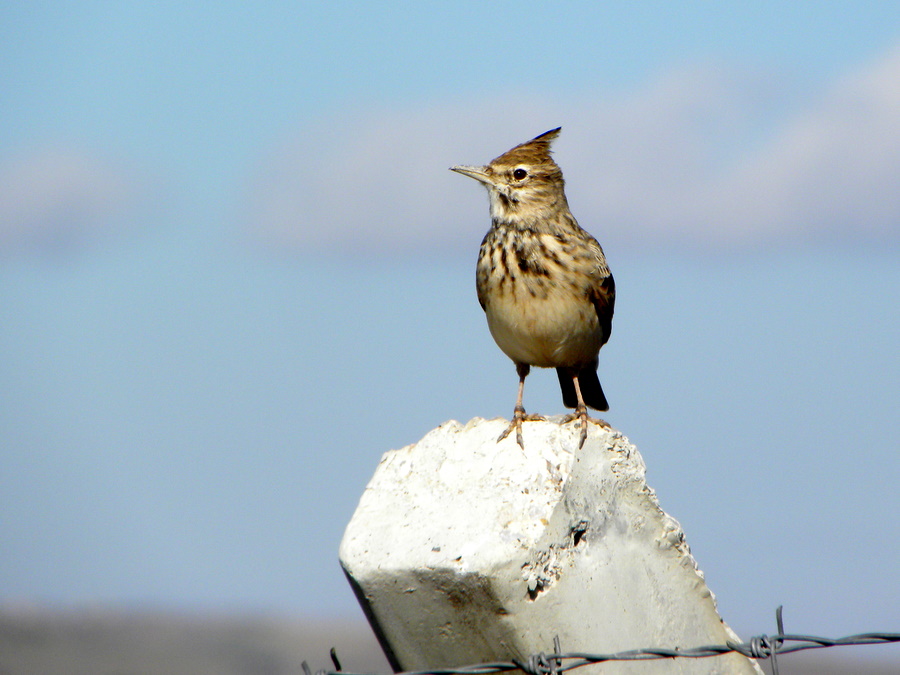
[
  {"x": 519, "y": 416},
  {"x": 581, "y": 414}
]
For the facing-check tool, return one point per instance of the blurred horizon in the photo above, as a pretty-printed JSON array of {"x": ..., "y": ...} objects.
[{"x": 235, "y": 270}]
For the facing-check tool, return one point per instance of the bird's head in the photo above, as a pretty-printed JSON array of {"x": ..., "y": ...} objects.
[{"x": 523, "y": 182}]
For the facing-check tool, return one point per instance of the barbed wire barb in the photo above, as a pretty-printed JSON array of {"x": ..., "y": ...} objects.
[
  {"x": 779, "y": 624},
  {"x": 334, "y": 659}
]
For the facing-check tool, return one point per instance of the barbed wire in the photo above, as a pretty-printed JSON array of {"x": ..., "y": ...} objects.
[{"x": 761, "y": 647}]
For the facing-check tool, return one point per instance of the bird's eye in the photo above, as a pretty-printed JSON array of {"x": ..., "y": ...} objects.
[{"x": 519, "y": 174}]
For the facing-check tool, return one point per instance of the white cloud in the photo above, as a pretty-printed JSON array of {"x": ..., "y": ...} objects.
[
  {"x": 703, "y": 156},
  {"x": 54, "y": 197}
]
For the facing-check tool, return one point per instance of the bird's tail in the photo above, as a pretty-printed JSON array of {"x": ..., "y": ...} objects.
[{"x": 591, "y": 391}]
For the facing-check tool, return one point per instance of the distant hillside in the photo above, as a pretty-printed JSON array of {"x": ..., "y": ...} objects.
[
  {"x": 110, "y": 642},
  {"x": 95, "y": 642}
]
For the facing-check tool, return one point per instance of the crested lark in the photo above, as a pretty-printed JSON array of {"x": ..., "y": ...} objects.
[{"x": 542, "y": 281}]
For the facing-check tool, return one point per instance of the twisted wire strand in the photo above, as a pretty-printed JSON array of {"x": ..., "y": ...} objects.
[{"x": 760, "y": 647}]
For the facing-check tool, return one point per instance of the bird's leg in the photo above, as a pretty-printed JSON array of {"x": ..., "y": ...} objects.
[
  {"x": 580, "y": 413},
  {"x": 519, "y": 415}
]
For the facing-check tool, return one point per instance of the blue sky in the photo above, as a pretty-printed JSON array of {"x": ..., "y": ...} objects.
[{"x": 234, "y": 270}]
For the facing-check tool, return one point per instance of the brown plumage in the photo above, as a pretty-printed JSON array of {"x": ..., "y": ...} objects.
[{"x": 542, "y": 281}]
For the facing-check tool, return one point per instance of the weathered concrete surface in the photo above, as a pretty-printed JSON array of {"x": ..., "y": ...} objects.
[{"x": 464, "y": 550}]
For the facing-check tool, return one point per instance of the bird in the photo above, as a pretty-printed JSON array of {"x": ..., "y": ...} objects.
[{"x": 543, "y": 281}]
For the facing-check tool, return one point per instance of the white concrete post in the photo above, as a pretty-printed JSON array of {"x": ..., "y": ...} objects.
[{"x": 464, "y": 550}]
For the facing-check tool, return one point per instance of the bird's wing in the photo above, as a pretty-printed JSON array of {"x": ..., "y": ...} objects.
[{"x": 603, "y": 292}]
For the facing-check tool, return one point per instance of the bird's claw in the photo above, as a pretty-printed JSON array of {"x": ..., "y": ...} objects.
[
  {"x": 581, "y": 414},
  {"x": 520, "y": 416}
]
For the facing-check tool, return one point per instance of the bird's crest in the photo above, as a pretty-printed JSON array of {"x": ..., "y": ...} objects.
[{"x": 536, "y": 151}]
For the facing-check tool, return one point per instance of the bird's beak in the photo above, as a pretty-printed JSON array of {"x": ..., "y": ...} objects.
[{"x": 477, "y": 172}]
